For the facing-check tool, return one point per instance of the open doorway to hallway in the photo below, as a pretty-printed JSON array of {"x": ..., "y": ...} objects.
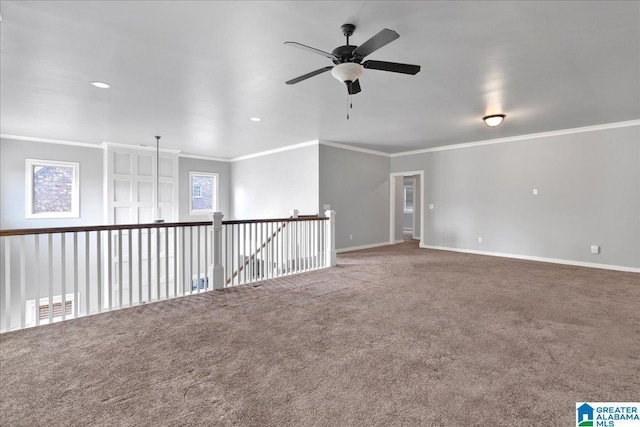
[
  {"x": 409, "y": 228},
  {"x": 406, "y": 206}
]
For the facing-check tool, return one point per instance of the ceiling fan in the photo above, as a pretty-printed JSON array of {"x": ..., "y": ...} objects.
[{"x": 348, "y": 59}]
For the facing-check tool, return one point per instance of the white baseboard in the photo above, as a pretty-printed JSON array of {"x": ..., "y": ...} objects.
[
  {"x": 399, "y": 241},
  {"x": 357, "y": 248},
  {"x": 536, "y": 258}
]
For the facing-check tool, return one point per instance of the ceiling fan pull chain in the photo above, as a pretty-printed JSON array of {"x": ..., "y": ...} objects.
[{"x": 348, "y": 106}]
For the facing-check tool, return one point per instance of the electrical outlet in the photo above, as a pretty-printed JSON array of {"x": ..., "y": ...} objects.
[
  {"x": 535, "y": 191},
  {"x": 479, "y": 239},
  {"x": 595, "y": 249},
  {"x": 350, "y": 236},
  {"x": 432, "y": 206}
]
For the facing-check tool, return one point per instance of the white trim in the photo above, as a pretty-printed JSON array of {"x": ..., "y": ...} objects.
[
  {"x": 594, "y": 128},
  {"x": 392, "y": 203},
  {"x": 521, "y": 137},
  {"x": 216, "y": 189},
  {"x": 213, "y": 159},
  {"x": 50, "y": 141},
  {"x": 75, "y": 189},
  {"x": 139, "y": 147},
  {"x": 536, "y": 258},
  {"x": 357, "y": 248},
  {"x": 399, "y": 241},
  {"x": 276, "y": 150},
  {"x": 351, "y": 148}
]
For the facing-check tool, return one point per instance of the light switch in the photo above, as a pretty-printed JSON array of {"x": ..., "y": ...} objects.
[
  {"x": 535, "y": 191},
  {"x": 479, "y": 239},
  {"x": 432, "y": 206}
]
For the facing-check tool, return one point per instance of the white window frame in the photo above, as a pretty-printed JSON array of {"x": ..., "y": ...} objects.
[
  {"x": 75, "y": 189},
  {"x": 216, "y": 189}
]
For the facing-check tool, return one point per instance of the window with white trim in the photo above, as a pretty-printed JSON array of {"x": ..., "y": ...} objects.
[
  {"x": 204, "y": 192},
  {"x": 52, "y": 189}
]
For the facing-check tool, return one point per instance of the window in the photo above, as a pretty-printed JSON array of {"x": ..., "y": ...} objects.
[
  {"x": 408, "y": 199},
  {"x": 52, "y": 189},
  {"x": 204, "y": 192}
]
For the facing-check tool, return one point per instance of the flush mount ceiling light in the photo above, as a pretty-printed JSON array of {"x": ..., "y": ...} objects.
[
  {"x": 494, "y": 119},
  {"x": 101, "y": 85},
  {"x": 255, "y": 119}
]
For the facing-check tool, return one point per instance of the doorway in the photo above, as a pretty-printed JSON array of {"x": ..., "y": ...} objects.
[
  {"x": 409, "y": 231},
  {"x": 406, "y": 207}
]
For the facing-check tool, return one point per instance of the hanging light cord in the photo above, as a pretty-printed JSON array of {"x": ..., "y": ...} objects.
[
  {"x": 349, "y": 103},
  {"x": 157, "y": 219}
]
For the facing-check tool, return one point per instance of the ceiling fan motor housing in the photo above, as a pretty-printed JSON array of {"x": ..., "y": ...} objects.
[{"x": 347, "y": 72}]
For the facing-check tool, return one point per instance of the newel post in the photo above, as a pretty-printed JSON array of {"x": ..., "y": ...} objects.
[
  {"x": 294, "y": 213},
  {"x": 218, "y": 269},
  {"x": 330, "y": 254}
]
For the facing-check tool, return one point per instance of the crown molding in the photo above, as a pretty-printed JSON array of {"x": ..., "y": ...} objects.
[
  {"x": 139, "y": 147},
  {"x": 50, "y": 141},
  {"x": 594, "y": 128},
  {"x": 211, "y": 159},
  {"x": 277, "y": 150},
  {"x": 521, "y": 137},
  {"x": 351, "y": 148}
]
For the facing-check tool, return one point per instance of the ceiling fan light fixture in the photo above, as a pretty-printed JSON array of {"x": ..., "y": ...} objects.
[
  {"x": 494, "y": 119},
  {"x": 347, "y": 72}
]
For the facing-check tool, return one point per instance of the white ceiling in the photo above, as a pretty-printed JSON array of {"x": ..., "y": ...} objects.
[{"x": 195, "y": 72}]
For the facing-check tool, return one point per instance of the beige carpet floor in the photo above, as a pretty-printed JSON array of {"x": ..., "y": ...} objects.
[{"x": 392, "y": 336}]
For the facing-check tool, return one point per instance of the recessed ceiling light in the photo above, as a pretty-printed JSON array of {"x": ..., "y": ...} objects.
[
  {"x": 494, "y": 119},
  {"x": 255, "y": 119},
  {"x": 101, "y": 85}
]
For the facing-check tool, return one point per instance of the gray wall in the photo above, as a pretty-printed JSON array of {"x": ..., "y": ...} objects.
[
  {"x": 356, "y": 185},
  {"x": 588, "y": 194},
  {"x": 223, "y": 169},
  {"x": 270, "y": 186},
  {"x": 13, "y": 154}
]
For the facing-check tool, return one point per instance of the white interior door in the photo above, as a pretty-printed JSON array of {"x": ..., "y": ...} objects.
[{"x": 131, "y": 199}]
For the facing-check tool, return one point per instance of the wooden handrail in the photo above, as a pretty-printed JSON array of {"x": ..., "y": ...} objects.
[{"x": 82, "y": 228}]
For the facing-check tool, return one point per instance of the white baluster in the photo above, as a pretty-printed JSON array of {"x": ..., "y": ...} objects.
[
  {"x": 7, "y": 282},
  {"x": 330, "y": 260},
  {"x": 50, "y": 247},
  {"x": 23, "y": 282},
  {"x": 218, "y": 269},
  {"x": 76, "y": 302},
  {"x": 87, "y": 272},
  {"x": 120, "y": 260},
  {"x": 130, "y": 264},
  {"x": 63, "y": 274}
]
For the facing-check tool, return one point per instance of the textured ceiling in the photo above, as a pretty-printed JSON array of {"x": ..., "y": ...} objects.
[{"x": 195, "y": 72}]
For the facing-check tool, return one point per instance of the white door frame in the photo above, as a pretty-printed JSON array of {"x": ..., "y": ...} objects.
[{"x": 392, "y": 204}]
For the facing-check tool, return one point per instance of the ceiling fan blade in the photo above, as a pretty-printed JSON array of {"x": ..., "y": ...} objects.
[
  {"x": 381, "y": 39},
  {"x": 394, "y": 67},
  {"x": 354, "y": 87},
  {"x": 306, "y": 76},
  {"x": 312, "y": 50}
]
